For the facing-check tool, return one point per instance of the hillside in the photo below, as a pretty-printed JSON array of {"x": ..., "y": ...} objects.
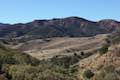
[
  {"x": 71, "y": 48},
  {"x": 104, "y": 64},
  {"x": 15, "y": 65},
  {"x": 43, "y": 49},
  {"x": 9, "y": 58},
  {"x": 104, "y": 67},
  {"x": 92, "y": 58},
  {"x": 64, "y": 27}
]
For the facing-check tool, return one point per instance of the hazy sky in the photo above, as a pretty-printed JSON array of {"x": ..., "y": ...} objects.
[{"x": 14, "y": 11}]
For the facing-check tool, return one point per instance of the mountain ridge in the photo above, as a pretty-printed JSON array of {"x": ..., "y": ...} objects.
[{"x": 60, "y": 27}]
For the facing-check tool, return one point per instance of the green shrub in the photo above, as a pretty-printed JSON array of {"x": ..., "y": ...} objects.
[
  {"x": 27, "y": 72},
  {"x": 104, "y": 49},
  {"x": 88, "y": 74},
  {"x": 65, "y": 61}
]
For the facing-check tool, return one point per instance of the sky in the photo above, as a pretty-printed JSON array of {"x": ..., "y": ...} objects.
[{"x": 22, "y": 11}]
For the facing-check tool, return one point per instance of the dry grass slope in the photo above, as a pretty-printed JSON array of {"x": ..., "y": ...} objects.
[{"x": 43, "y": 49}]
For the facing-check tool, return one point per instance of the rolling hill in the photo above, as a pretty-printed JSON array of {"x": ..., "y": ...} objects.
[
  {"x": 64, "y": 27},
  {"x": 42, "y": 49}
]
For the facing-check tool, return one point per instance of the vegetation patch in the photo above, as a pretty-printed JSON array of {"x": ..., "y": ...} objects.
[
  {"x": 15, "y": 65},
  {"x": 104, "y": 49}
]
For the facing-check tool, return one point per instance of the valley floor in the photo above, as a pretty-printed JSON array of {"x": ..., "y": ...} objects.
[{"x": 43, "y": 49}]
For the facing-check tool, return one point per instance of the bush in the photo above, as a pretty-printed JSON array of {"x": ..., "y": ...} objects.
[
  {"x": 104, "y": 49},
  {"x": 27, "y": 72},
  {"x": 106, "y": 73},
  {"x": 65, "y": 61},
  {"x": 88, "y": 74},
  {"x": 102, "y": 75}
]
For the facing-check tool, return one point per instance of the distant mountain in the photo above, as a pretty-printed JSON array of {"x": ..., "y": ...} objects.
[{"x": 65, "y": 27}]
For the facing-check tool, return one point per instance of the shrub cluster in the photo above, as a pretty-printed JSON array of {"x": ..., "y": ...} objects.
[{"x": 15, "y": 65}]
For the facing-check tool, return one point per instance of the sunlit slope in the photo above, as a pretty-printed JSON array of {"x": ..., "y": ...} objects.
[{"x": 61, "y": 46}]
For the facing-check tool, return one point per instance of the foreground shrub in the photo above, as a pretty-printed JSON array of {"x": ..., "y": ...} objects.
[
  {"x": 27, "y": 72},
  {"x": 102, "y": 75},
  {"x": 65, "y": 61},
  {"x": 15, "y": 65},
  {"x": 106, "y": 73},
  {"x": 88, "y": 74},
  {"x": 104, "y": 49}
]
